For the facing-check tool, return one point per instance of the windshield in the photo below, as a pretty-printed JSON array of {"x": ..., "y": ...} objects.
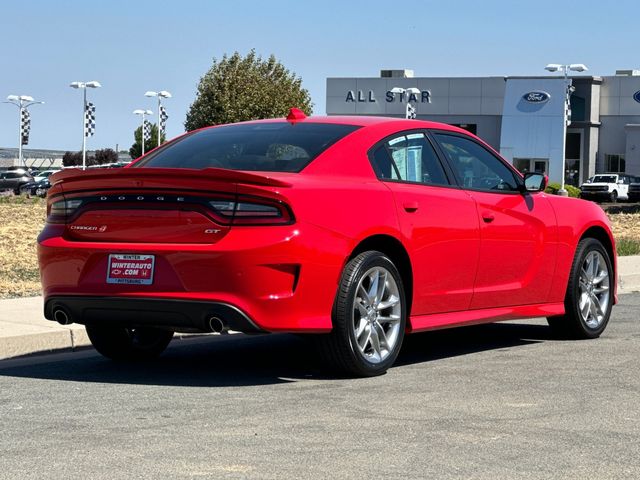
[
  {"x": 270, "y": 147},
  {"x": 604, "y": 179}
]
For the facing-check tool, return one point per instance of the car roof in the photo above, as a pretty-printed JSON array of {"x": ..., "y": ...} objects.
[{"x": 362, "y": 121}]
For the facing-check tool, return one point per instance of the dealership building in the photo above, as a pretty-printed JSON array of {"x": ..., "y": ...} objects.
[{"x": 521, "y": 117}]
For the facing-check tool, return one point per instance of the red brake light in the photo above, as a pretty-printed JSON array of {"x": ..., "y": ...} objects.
[
  {"x": 58, "y": 212},
  {"x": 251, "y": 211}
]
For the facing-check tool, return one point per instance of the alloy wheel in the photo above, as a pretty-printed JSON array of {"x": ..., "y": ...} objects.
[
  {"x": 594, "y": 297},
  {"x": 376, "y": 314}
]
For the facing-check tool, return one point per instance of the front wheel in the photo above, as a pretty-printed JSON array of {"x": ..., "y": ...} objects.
[
  {"x": 129, "y": 344},
  {"x": 613, "y": 196},
  {"x": 369, "y": 317},
  {"x": 589, "y": 298}
]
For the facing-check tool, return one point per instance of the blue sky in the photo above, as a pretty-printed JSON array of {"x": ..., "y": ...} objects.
[{"x": 138, "y": 45}]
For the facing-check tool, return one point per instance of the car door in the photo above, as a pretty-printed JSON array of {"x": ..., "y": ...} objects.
[
  {"x": 438, "y": 220},
  {"x": 518, "y": 232}
]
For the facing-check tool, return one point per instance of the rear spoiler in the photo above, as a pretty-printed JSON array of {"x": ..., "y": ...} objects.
[{"x": 220, "y": 174}]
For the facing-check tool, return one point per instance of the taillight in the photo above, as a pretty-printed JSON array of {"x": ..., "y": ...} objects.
[
  {"x": 227, "y": 211},
  {"x": 58, "y": 212},
  {"x": 252, "y": 212}
]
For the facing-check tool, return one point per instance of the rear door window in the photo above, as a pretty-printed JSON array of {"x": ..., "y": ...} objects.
[{"x": 409, "y": 158}]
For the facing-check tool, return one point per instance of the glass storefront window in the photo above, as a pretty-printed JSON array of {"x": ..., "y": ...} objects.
[
  {"x": 614, "y": 163},
  {"x": 538, "y": 165}
]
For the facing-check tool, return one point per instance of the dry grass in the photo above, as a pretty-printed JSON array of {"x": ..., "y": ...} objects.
[
  {"x": 625, "y": 223},
  {"x": 21, "y": 220}
]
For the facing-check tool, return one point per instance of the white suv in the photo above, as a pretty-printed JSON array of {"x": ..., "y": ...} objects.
[{"x": 606, "y": 187}]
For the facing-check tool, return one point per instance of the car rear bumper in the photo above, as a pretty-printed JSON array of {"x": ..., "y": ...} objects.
[
  {"x": 179, "y": 315},
  {"x": 281, "y": 278}
]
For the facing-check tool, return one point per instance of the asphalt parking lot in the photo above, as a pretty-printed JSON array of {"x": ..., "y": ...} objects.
[{"x": 487, "y": 402}]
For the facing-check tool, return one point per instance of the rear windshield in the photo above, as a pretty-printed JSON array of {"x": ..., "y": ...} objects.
[{"x": 269, "y": 147}]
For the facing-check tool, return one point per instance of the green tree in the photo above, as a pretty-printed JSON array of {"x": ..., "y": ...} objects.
[
  {"x": 136, "y": 149},
  {"x": 239, "y": 88},
  {"x": 106, "y": 155},
  {"x": 74, "y": 159}
]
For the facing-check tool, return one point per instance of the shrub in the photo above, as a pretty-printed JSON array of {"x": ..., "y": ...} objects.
[{"x": 571, "y": 190}]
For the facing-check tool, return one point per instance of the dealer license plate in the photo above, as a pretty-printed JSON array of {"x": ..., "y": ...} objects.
[{"x": 131, "y": 269}]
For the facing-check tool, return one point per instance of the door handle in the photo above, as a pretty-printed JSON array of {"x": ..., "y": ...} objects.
[
  {"x": 410, "y": 206},
  {"x": 488, "y": 217}
]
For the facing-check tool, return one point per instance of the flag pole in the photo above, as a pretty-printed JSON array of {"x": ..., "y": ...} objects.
[{"x": 84, "y": 129}]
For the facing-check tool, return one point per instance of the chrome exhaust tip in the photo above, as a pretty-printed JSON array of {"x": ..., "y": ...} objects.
[
  {"x": 217, "y": 325},
  {"x": 60, "y": 316}
]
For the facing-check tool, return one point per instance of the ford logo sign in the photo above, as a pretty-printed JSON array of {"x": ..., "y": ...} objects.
[
  {"x": 636, "y": 96},
  {"x": 536, "y": 97}
]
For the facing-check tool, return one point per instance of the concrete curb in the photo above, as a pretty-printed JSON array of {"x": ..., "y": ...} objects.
[
  {"x": 24, "y": 331},
  {"x": 42, "y": 342},
  {"x": 629, "y": 274}
]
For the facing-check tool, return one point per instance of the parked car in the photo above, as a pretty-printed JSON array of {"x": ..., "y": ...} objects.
[
  {"x": 38, "y": 188},
  {"x": 609, "y": 187},
  {"x": 356, "y": 230},
  {"x": 43, "y": 175},
  {"x": 634, "y": 189},
  {"x": 14, "y": 179}
]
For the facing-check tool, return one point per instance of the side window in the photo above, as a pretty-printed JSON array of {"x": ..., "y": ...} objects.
[
  {"x": 478, "y": 168},
  {"x": 409, "y": 158}
]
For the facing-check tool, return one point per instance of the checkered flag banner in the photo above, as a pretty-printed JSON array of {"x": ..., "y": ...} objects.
[
  {"x": 567, "y": 104},
  {"x": 163, "y": 120},
  {"x": 89, "y": 120},
  {"x": 411, "y": 112},
  {"x": 146, "y": 131},
  {"x": 25, "y": 126}
]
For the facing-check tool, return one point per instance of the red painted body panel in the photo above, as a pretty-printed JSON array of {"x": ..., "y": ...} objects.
[
  {"x": 518, "y": 249},
  {"x": 574, "y": 218},
  {"x": 444, "y": 250},
  {"x": 473, "y": 317},
  {"x": 285, "y": 277}
]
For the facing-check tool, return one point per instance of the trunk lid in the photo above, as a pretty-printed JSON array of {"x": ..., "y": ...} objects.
[{"x": 156, "y": 205}]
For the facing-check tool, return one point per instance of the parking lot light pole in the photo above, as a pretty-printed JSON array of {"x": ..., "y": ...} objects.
[
  {"x": 22, "y": 102},
  {"x": 84, "y": 86},
  {"x": 557, "y": 67},
  {"x": 410, "y": 110},
  {"x": 142, "y": 113},
  {"x": 161, "y": 94}
]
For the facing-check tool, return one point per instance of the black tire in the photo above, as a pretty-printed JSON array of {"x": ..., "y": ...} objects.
[
  {"x": 129, "y": 344},
  {"x": 571, "y": 324},
  {"x": 339, "y": 347},
  {"x": 613, "y": 197}
]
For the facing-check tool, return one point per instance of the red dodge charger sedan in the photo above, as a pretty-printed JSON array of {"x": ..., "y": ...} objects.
[{"x": 357, "y": 230}]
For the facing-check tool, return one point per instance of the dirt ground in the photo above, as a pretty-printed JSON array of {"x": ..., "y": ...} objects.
[{"x": 21, "y": 220}]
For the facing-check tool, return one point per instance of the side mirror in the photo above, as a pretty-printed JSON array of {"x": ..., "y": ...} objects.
[{"x": 535, "y": 182}]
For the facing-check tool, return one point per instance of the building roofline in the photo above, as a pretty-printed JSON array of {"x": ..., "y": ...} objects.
[{"x": 593, "y": 78}]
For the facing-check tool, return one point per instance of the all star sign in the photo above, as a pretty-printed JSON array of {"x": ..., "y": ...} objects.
[{"x": 536, "y": 97}]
